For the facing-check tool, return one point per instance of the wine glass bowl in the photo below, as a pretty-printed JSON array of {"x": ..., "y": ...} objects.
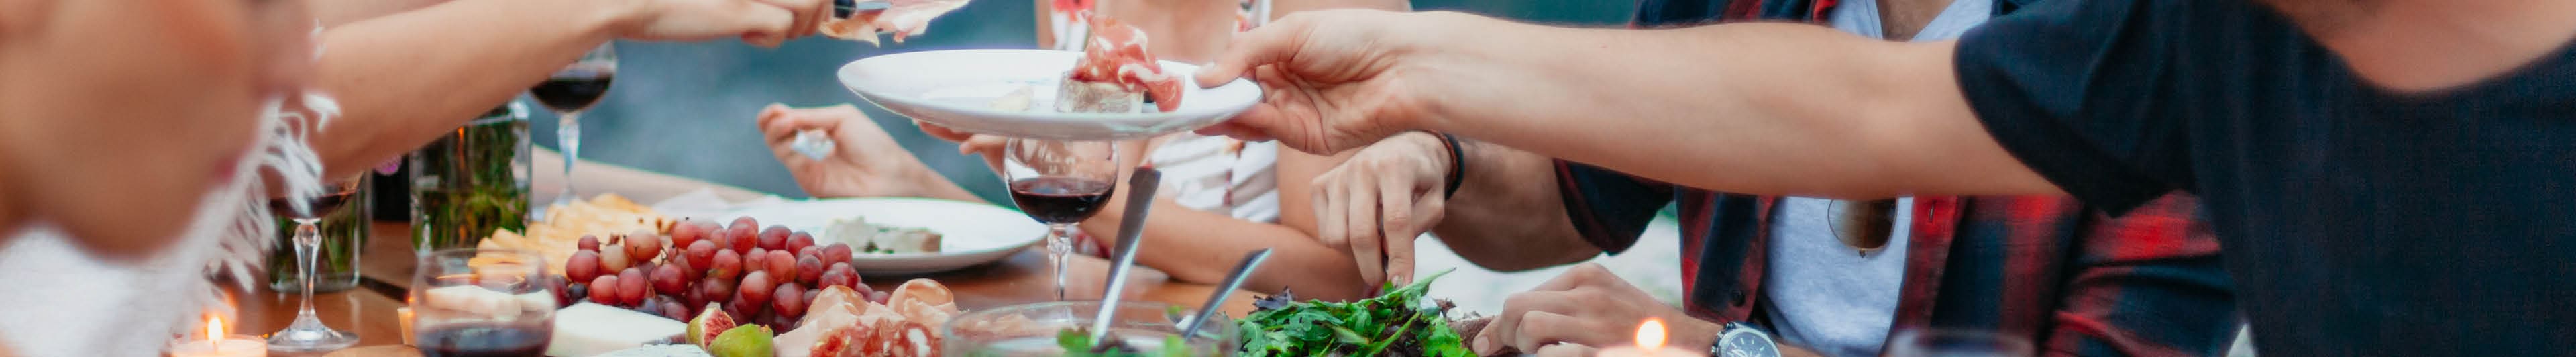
[
  {"x": 1060, "y": 183},
  {"x": 570, "y": 91},
  {"x": 482, "y": 302},
  {"x": 307, "y": 333}
]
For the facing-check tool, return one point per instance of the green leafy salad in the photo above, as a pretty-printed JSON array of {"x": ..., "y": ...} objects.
[
  {"x": 1077, "y": 343},
  {"x": 1399, "y": 323}
]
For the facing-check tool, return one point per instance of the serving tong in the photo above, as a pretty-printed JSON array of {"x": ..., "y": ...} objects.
[{"x": 1131, "y": 230}]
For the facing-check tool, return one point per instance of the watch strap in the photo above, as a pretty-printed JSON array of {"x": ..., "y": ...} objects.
[{"x": 1457, "y": 165}]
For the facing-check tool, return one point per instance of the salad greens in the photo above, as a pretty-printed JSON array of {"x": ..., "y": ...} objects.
[
  {"x": 1398, "y": 323},
  {"x": 1077, "y": 343}
]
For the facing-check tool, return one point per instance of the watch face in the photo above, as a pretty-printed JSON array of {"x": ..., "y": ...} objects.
[{"x": 1747, "y": 343}]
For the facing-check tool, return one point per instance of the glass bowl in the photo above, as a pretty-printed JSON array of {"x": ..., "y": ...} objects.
[{"x": 1031, "y": 329}]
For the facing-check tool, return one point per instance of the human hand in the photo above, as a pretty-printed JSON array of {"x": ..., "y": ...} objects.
[
  {"x": 1376, "y": 202},
  {"x": 809, "y": 16},
  {"x": 1336, "y": 79},
  {"x": 865, "y": 162},
  {"x": 970, "y": 144},
  {"x": 1586, "y": 306},
  {"x": 1566, "y": 350},
  {"x": 760, "y": 22}
]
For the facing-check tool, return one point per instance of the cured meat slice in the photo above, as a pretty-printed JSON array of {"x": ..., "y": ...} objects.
[{"x": 1116, "y": 70}]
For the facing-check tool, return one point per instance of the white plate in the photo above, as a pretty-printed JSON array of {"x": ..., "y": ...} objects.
[
  {"x": 955, "y": 88},
  {"x": 970, "y": 233}
]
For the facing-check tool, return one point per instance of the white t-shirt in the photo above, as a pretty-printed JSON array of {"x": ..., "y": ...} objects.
[
  {"x": 1825, "y": 295},
  {"x": 1822, "y": 294}
]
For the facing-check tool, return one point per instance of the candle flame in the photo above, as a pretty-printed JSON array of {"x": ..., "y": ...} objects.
[
  {"x": 1650, "y": 335},
  {"x": 214, "y": 327}
]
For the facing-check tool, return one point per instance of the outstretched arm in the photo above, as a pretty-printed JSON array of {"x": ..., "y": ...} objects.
[
  {"x": 404, "y": 78},
  {"x": 1782, "y": 108},
  {"x": 1761, "y": 108}
]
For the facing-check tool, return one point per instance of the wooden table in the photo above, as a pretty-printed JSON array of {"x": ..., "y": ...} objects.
[{"x": 385, "y": 268}]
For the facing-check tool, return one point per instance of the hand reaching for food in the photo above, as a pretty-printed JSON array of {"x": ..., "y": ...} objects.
[
  {"x": 902, "y": 18},
  {"x": 1376, "y": 202},
  {"x": 860, "y": 161},
  {"x": 988, "y": 147},
  {"x": 1334, "y": 79},
  {"x": 1587, "y": 306}
]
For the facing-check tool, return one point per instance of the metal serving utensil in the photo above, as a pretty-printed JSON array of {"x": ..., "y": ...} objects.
[{"x": 1131, "y": 231}]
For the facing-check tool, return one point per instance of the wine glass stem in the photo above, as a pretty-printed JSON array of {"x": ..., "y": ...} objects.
[
  {"x": 308, "y": 241},
  {"x": 1059, "y": 245},
  {"x": 568, "y": 137}
]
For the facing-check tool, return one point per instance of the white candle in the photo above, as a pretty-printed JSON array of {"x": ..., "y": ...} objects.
[
  {"x": 402, "y": 317},
  {"x": 1650, "y": 342},
  {"x": 218, "y": 344},
  {"x": 230, "y": 346}
]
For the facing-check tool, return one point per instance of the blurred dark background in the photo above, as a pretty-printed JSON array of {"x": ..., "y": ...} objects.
[{"x": 686, "y": 109}]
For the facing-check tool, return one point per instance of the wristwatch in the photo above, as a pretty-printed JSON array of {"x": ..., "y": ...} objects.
[{"x": 1742, "y": 340}]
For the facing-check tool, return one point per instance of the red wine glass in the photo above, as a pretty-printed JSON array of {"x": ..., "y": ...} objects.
[{"x": 1060, "y": 183}]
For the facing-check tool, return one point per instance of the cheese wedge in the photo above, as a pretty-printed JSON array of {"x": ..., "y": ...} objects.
[{"x": 588, "y": 329}]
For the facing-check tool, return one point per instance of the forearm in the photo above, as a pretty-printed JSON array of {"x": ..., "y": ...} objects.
[
  {"x": 1201, "y": 247},
  {"x": 918, "y": 180},
  {"x": 341, "y": 12},
  {"x": 933, "y": 185},
  {"x": 1284, "y": 7},
  {"x": 404, "y": 79},
  {"x": 1508, "y": 214},
  {"x": 637, "y": 185},
  {"x": 1761, "y": 108}
]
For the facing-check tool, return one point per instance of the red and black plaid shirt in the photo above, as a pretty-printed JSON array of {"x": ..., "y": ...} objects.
[{"x": 2072, "y": 279}]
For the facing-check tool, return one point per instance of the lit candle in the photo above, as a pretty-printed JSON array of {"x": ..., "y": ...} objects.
[
  {"x": 1650, "y": 342},
  {"x": 402, "y": 316},
  {"x": 218, "y": 344}
]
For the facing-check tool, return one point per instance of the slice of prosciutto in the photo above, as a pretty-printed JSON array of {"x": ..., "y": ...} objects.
[
  {"x": 902, "y": 18},
  {"x": 1115, "y": 66}
]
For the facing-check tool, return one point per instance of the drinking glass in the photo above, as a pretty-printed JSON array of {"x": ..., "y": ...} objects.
[
  {"x": 482, "y": 302},
  {"x": 472, "y": 181},
  {"x": 307, "y": 334},
  {"x": 1956, "y": 343},
  {"x": 570, "y": 91},
  {"x": 1030, "y": 329},
  {"x": 1060, "y": 183},
  {"x": 343, "y": 231}
]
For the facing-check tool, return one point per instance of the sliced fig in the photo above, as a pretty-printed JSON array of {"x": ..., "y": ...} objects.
[{"x": 710, "y": 321}]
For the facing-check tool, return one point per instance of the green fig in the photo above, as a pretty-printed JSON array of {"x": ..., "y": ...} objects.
[{"x": 742, "y": 341}]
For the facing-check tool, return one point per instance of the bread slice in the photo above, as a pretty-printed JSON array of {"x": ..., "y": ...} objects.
[{"x": 1096, "y": 97}]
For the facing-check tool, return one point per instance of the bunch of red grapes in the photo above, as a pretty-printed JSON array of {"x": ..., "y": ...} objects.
[{"x": 759, "y": 276}]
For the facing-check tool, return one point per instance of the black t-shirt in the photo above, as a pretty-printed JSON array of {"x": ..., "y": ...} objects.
[{"x": 2355, "y": 220}]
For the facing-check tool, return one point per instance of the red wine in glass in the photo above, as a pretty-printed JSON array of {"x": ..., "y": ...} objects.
[
  {"x": 485, "y": 339},
  {"x": 574, "y": 88},
  {"x": 1060, "y": 200},
  {"x": 321, "y": 206}
]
